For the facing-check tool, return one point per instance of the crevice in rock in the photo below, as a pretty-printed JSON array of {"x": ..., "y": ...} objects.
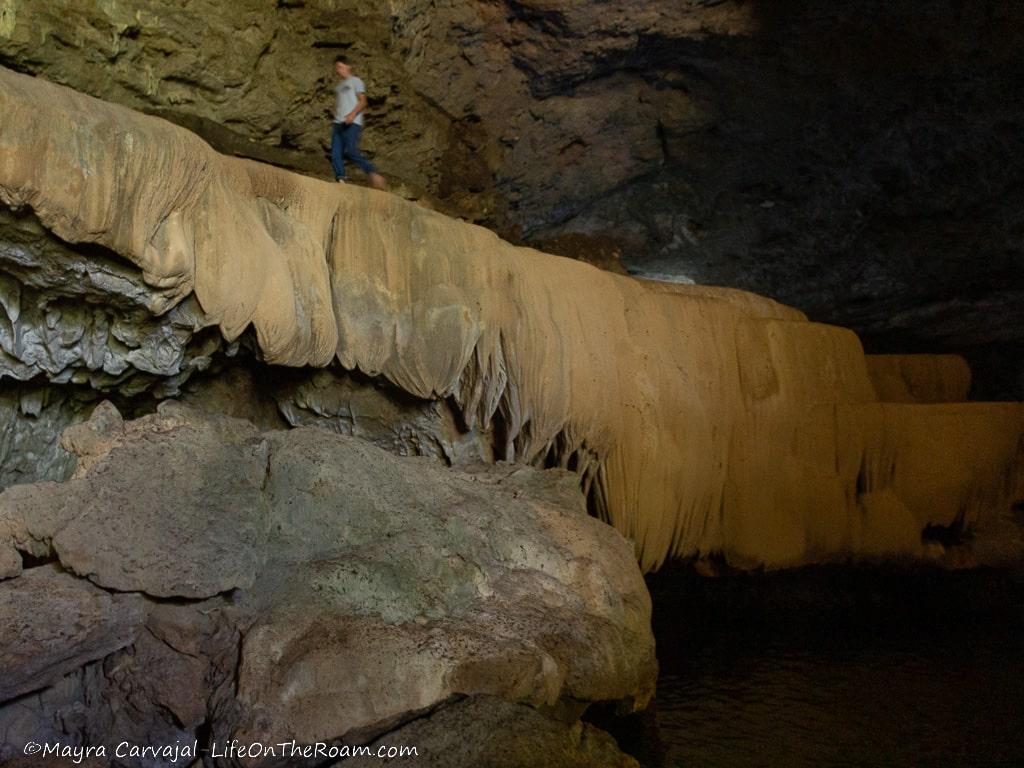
[
  {"x": 636, "y": 733},
  {"x": 666, "y": 153},
  {"x": 236, "y": 670},
  {"x": 955, "y": 534},
  {"x": 1017, "y": 509},
  {"x": 163, "y": 641},
  {"x": 365, "y": 739},
  {"x": 29, "y": 560},
  {"x": 227, "y": 596},
  {"x": 204, "y": 736}
]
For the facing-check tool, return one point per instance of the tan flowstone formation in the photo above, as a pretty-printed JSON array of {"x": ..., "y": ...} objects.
[
  {"x": 920, "y": 378},
  {"x": 701, "y": 420}
]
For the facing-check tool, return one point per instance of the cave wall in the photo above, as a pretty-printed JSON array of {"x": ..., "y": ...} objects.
[
  {"x": 858, "y": 160},
  {"x": 470, "y": 103},
  {"x": 864, "y": 165}
]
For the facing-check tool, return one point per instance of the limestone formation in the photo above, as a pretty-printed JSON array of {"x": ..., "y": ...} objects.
[
  {"x": 85, "y": 317},
  {"x": 32, "y": 417},
  {"x": 488, "y": 723},
  {"x": 700, "y": 421},
  {"x": 54, "y": 624},
  {"x": 702, "y": 139},
  {"x": 75, "y": 323},
  {"x": 407, "y": 426},
  {"x": 920, "y": 378},
  {"x": 209, "y": 581}
]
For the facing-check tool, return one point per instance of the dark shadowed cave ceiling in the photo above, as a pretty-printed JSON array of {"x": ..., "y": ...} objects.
[{"x": 859, "y": 160}]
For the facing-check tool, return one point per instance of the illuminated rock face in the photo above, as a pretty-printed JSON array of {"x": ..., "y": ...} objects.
[
  {"x": 698, "y": 140},
  {"x": 700, "y": 420},
  {"x": 288, "y": 584},
  {"x": 920, "y": 378}
]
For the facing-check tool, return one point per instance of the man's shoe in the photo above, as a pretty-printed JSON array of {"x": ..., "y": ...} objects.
[
  {"x": 340, "y": 181},
  {"x": 377, "y": 181}
]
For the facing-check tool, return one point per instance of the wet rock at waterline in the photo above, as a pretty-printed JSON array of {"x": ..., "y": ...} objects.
[{"x": 305, "y": 585}]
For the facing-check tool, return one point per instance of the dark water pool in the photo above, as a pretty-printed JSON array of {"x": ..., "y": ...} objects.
[
  {"x": 886, "y": 697},
  {"x": 827, "y": 670}
]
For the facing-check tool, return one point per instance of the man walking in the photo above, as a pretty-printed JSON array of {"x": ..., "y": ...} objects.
[{"x": 349, "y": 105}]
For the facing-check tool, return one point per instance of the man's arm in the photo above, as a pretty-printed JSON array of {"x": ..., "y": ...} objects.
[{"x": 360, "y": 106}]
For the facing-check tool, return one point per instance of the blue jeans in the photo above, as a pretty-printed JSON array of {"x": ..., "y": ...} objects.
[{"x": 345, "y": 143}]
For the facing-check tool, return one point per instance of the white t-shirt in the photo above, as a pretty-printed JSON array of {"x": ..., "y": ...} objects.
[{"x": 346, "y": 97}]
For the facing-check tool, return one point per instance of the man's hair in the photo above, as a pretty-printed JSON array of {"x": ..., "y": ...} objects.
[{"x": 339, "y": 59}]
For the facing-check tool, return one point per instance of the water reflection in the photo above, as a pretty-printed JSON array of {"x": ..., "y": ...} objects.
[
  {"x": 930, "y": 682},
  {"x": 948, "y": 699}
]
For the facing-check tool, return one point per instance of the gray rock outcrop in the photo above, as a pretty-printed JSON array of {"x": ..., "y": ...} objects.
[
  {"x": 508, "y": 736},
  {"x": 224, "y": 583},
  {"x": 54, "y": 624}
]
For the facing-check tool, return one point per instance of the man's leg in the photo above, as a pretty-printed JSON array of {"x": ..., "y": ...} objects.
[
  {"x": 338, "y": 150},
  {"x": 352, "y": 133}
]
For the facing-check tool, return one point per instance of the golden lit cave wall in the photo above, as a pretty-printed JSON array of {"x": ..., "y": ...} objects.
[
  {"x": 702, "y": 420},
  {"x": 920, "y": 378}
]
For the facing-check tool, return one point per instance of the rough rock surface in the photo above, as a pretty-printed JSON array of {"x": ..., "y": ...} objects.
[
  {"x": 385, "y": 416},
  {"x": 297, "y": 584},
  {"x": 82, "y": 316},
  {"x": 498, "y": 109},
  {"x": 859, "y": 160},
  {"x": 54, "y": 624},
  {"x": 700, "y": 421},
  {"x": 77, "y": 323},
  {"x": 508, "y": 736},
  {"x": 32, "y": 417}
]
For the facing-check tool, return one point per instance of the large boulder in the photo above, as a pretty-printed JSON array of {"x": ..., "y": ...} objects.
[{"x": 233, "y": 584}]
